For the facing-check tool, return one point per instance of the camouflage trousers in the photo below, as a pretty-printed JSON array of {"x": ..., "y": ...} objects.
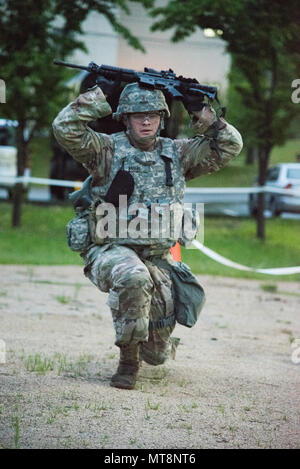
[{"x": 140, "y": 298}]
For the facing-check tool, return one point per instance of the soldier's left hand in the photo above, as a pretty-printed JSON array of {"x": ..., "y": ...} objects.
[{"x": 205, "y": 118}]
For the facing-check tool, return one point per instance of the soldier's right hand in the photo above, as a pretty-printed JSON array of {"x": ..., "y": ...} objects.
[{"x": 109, "y": 87}]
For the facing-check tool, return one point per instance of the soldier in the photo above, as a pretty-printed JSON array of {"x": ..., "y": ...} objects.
[{"x": 138, "y": 272}]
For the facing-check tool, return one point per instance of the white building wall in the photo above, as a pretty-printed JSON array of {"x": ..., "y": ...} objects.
[
  {"x": 197, "y": 57},
  {"x": 101, "y": 41}
]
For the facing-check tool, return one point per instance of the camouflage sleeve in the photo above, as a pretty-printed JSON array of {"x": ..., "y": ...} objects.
[
  {"x": 200, "y": 155},
  {"x": 72, "y": 132}
]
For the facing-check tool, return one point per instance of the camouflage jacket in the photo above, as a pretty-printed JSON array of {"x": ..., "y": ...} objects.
[{"x": 95, "y": 150}]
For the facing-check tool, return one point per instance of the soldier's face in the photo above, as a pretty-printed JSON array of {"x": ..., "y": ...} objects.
[{"x": 144, "y": 124}]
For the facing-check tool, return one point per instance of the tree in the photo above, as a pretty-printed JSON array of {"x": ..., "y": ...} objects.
[
  {"x": 29, "y": 41},
  {"x": 263, "y": 40}
]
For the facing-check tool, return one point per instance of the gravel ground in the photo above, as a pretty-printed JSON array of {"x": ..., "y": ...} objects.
[{"x": 234, "y": 382}]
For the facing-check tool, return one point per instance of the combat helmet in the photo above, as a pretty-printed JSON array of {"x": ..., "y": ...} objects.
[{"x": 136, "y": 99}]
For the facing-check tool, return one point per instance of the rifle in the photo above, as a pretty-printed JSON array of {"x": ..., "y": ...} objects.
[{"x": 175, "y": 86}]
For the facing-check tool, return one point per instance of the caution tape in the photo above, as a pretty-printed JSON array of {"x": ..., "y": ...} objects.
[
  {"x": 40, "y": 181},
  {"x": 223, "y": 260},
  {"x": 193, "y": 190}
]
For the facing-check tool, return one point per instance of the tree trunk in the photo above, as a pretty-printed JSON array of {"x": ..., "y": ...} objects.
[
  {"x": 251, "y": 155},
  {"x": 263, "y": 160},
  {"x": 18, "y": 189}
]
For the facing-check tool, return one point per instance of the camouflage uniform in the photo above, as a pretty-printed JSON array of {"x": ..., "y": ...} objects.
[{"x": 140, "y": 292}]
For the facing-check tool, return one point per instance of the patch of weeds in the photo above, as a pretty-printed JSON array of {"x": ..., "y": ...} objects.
[
  {"x": 221, "y": 409},
  {"x": 105, "y": 439},
  {"x": 182, "y": 383},
  {"x": 247, "y": 409},
  {"x": 63, "y": 299},
  {"x": 75, "y": 368},
  {"x": 159, "y": 373},
  {"x": 77, "y": 287},
  {"x": 289, "y": 333},
  {"x": 3, "y": 293},
  {"x": 60, "y": 363},
  {"x": 132, "y": 441},
  {"x": 141, "y": 387},
  {"x": 69, "y": 396},
  {"x": 269, "y": 287},
  {"x": 185, "y": 408},
  {"x": 188, "y": 427},
  {"x": 16, "y": 426},
  {"x": 111, "y": 356},
  {"x": 99, "y": 407},
  {"x": 39, "y": 364},
  {"x": 58, "y": 411},
  {"x": 194, "y": 405},
  {"x": 221, "y": 326},
  {"x": 153, "y": 406},
  {"x": 97, "y": 316}
]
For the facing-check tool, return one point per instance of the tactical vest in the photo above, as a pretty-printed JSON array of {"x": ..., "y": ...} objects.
[{"x": 159, "y": 186}]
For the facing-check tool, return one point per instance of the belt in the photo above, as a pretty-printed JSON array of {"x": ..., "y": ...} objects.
[
  {"x": 147, "y": 252},
  {"x": 163, "y": 322}
]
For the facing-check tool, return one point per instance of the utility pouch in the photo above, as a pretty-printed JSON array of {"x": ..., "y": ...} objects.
[
  {"x": 78, "y": 234},
  {"x": 189, "y": 296}
]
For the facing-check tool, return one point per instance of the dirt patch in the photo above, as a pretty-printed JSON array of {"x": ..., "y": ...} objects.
[{"x": 234, "y": 383}]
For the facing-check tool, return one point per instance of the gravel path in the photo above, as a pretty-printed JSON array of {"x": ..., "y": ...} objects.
[{"x": 234, "y": 383}]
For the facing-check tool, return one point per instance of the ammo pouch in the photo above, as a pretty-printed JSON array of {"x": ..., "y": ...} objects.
[
  {"x": 78, "y": 234},
  {"x": 189, "y": 296}
]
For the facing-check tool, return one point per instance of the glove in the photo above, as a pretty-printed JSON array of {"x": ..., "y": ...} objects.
[
  {"x": 205, "y": 119},
  {"x": 193, "y": 103},
  {"x": 109, "y": 87}
]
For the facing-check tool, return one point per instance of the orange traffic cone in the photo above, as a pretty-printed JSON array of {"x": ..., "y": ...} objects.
[{"x": 175, "y": 251}]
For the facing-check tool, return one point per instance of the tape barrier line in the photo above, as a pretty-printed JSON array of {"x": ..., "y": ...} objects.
[
  {"x": 195, "y": 190},
  {"x": 208, "y": 252},
  {"x": 40, "y": 181},
  {"x": 223, "y": 260}
]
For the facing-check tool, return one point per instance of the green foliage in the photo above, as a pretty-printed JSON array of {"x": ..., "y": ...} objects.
[
  {"x": 263, "y": 40},
  {"x": 32, "y": 35}
]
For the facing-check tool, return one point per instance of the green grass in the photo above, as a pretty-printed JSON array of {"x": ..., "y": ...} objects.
[
  {"x": 41, "y": 241},
  {"x": 235, "y": 239},
  {"x": 40, "y": 154}
]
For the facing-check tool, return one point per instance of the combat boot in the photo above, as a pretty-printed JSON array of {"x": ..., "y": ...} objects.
[{"x": 129, "y": 364}]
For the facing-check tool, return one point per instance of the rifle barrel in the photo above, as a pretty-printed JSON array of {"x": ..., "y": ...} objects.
[{"x": 68, "y": 64}]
